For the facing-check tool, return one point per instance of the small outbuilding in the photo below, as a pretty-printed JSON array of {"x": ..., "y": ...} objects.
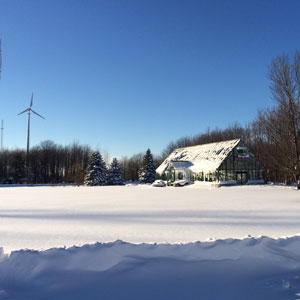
[{"x": 228, "y": 162}]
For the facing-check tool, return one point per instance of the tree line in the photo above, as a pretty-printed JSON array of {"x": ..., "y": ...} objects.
[
  {"x": 97, "y": 173},
  {"x": 50, "y": 163}
]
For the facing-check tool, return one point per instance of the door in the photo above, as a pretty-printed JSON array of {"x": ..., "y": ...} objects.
[
  {"x": 241, "y": 177},
  {"x": 170, "y": 175}
]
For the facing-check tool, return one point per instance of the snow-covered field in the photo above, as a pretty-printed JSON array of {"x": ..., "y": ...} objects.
[
  {"x": 44, "y": 217},
  {"x": 221, "y": 266}
]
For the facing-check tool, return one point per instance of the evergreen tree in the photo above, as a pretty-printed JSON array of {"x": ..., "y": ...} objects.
[
  {"x": 17, "y": 172},
  {"x": 96, "y": 173},
  {"x": 147, "y": 172},
  {"x": 115, "y": 174}
]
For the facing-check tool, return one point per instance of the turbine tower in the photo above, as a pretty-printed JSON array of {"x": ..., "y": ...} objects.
[
  {"x": 0, "y": 57},
  {"x": 29, "y": 110},
  {"x": 2, "y": 128}
]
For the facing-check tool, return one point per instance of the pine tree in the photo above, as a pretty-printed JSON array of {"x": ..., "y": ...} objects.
[
  {"x": 17, "y": 173},
  {"x": 147, "y": 172},
  {"x": 96, "y": 173},
  {"x": 115, "y": 174}
]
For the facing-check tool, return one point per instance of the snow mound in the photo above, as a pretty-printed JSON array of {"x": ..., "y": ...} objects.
[{"x": 250, "y": 268}]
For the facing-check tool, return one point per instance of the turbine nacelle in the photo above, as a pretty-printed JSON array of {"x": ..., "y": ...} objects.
[{"x": 29, "y": 109}]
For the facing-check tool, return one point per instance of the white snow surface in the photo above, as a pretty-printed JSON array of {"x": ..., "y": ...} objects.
[
  {"x": 231, "y": 261},
  {"x": 46, "y": 217},
  {"x": 202, "y": 158},
  {"x": 245, "y": 269}
]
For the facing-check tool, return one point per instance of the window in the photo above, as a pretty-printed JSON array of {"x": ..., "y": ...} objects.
[
  {"x": 180, "y": 175},
  {"x": 200, "y": 176},
  {"x": 242, "y": 152},
  {"x": 211, "y": 177}
]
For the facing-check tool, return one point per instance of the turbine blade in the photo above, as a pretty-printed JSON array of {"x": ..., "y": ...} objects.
[
  {"x": 22, "y": 112},
  {"x": 37, "y": 114},
  {"x": 31, "y": 102}
]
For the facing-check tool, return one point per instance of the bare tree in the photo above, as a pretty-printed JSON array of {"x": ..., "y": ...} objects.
[{"x": 282, "y": 123}]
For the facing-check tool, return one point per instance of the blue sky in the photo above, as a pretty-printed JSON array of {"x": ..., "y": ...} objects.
[{"x": 127, "y": 75}]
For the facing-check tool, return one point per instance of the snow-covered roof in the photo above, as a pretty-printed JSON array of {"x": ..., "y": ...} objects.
[{"x": 202, "y": 158}]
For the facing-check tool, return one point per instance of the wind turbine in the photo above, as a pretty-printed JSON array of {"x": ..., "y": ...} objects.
[
  {"x": 2, "y": 128},
  {"x": 29, "y": 110}
]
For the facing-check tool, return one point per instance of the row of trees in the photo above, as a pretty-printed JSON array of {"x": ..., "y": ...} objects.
[
  {"x": 50, "y": 163},
  {"x": 97, "y": 173}
]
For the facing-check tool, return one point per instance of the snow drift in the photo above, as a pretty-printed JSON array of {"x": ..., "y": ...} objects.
[{"x": 251, "y": 268}]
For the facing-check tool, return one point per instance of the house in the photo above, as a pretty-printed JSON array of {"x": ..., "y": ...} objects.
[{"x": 228, "y": 162}]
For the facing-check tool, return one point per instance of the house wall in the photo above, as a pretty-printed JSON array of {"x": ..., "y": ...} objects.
[
  {"x": 182, "y": 174},
  {"x": 202, "y": 176},
  {"x": 240, "y": 165},
  {"x": 235, "y": 163},
  {"x": 173, "y": 174}
]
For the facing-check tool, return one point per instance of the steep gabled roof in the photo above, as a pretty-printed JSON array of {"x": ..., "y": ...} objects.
[{"x": 203, "y": 158}]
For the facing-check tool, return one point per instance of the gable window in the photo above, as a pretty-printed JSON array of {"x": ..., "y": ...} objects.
[{"x": 242, "y": 152}]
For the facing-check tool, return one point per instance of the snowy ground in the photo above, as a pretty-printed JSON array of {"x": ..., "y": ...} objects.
[
  {"x": 226, "y": 268},
  {"x": 248, "y": 269},
  {"x": 45, "y": 217}
]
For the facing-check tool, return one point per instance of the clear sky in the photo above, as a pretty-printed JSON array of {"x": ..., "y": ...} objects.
[{"x": 125, "y": 75}]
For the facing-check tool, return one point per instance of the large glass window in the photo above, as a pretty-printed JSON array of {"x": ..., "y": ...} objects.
[
  {"x": 240, "y": 160},
  {"x": 200, "y": 176}
]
